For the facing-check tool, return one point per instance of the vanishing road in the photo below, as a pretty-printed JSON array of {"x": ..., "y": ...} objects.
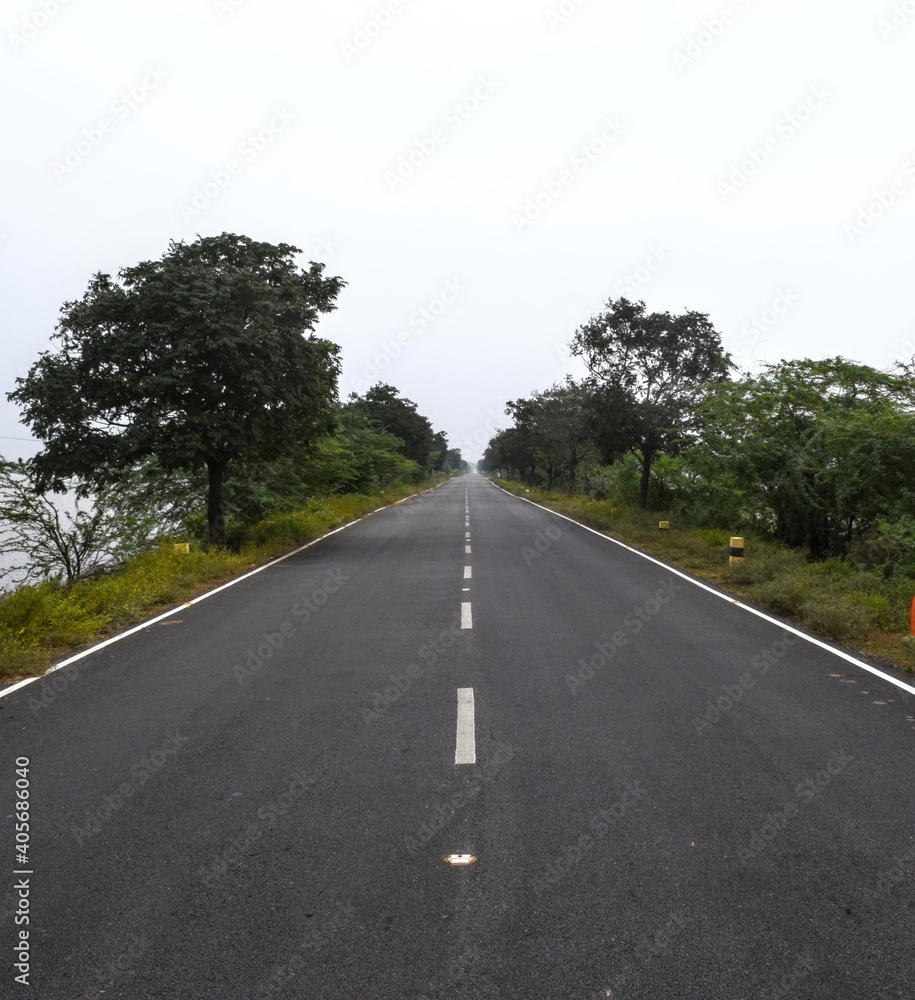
[{"x": 666, "y": 795}]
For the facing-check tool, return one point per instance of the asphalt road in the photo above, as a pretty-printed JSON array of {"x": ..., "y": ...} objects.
[{"x": 669, "y": 796}]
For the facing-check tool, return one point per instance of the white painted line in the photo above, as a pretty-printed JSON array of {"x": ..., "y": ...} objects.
[
  {"x": 196, "y": 600},
  {"x": 465, "y": 589},
  {"x": 467, "y": 550},
  {"x": 725, "y": 597},
  {"x": 467, "y": 535},
  {"x": 468, "y": 572},
  {"x": 466, "y": 615},
  {"x": 465, "y": 750}
]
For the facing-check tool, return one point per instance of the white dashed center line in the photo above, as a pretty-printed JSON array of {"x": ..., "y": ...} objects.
[
  {"x": 468, "y": 572},
  {"x": 465, "y": 751},
  {"x": 466, "y": 615}
]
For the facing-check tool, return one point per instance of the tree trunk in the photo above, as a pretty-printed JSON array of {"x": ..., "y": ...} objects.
[
  {"x": 216, "y": 503},
  {"x": 647, "y": 458}
]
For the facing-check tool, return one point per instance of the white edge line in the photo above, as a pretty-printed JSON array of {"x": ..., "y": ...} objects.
[
  {"x": 202, "y": 597},
  {"x": 736, "y": 602}
]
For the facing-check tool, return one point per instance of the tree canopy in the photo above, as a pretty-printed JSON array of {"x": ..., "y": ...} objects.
[
  {"x": 198, "y": 359},
  {"x": 821, "y": 450},
  {"x": 383, "y": 405},
  {"x": 649, "y": 368},
  {"x": 555, "y": 424}
]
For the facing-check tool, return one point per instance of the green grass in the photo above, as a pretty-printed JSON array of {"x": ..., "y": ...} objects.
[
  {"x": 43, "y": 623},
  {"x": 835, "y": 598}
]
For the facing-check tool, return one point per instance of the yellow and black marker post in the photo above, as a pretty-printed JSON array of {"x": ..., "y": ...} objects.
[{"x": 735, "y": 552}]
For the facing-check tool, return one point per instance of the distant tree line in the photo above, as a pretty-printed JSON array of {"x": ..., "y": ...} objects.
[{"x": 818, "y": 454}]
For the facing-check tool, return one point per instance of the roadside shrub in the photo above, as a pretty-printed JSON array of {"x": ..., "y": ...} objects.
[{"x": 840, "y": 616}]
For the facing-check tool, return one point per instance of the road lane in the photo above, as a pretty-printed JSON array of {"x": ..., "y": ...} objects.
[{"x": 668, "y": 798}]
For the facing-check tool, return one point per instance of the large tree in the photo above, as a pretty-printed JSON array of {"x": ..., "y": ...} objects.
[
  {"x": 198, "y": 359},
  {"x": 648, "y": 370}
]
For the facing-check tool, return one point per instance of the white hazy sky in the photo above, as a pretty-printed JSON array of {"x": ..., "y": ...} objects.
[{"x": 751, "y": 159}]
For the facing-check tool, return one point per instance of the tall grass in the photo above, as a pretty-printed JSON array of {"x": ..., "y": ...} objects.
[{"x": 40, "y": 623}]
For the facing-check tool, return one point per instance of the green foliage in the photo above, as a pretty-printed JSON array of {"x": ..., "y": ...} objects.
[
  {"x": 511, "y": 452},
  {"x": 647, "y": 372},
  {"x": 384, "y": 408},
  {"x": 818, "y": 451},
  {"x": 554, "y": 425},
  {"x": 202, "y": 358}
]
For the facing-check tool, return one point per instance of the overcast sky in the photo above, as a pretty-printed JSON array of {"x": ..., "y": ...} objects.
[{"x": 484, "y": 175}]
